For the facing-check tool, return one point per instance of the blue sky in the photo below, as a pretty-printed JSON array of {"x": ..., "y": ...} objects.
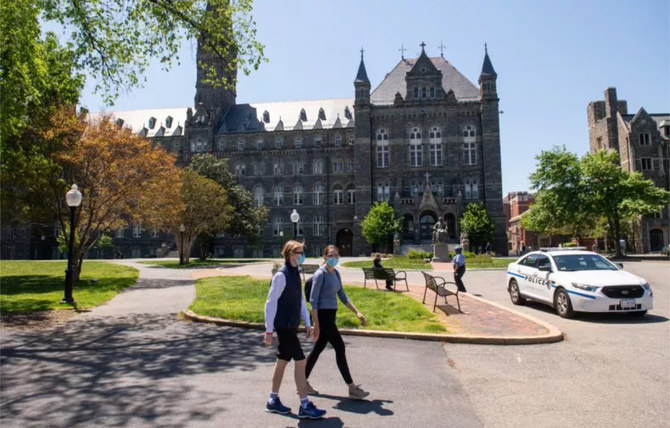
[{"x": 552, "y": 59}]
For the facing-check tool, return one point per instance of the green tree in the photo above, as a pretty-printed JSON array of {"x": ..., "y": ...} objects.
[
  {"x": 117, "y": 39},
  {"x": 380, "y": 224},
  {"x": 248, "y": 219},
  {"x": 478, "y": 224},
  {"x": 206, "y": 210},
  {"x": 618, "y": 195}
]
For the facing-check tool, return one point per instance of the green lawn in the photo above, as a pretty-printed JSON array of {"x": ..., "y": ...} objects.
[
  {"x": 197, "y": 263},
  {"x": 243, "y": 299},
  {"x": 29, "y": 286},
  {"x": 396, "y": 262}
]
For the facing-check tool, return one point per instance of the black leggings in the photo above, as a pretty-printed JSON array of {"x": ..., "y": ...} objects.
[{"x": 329, "y": 333}]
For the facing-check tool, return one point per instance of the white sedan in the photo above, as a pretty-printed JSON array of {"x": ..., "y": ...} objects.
[{"x": 577, "y": 281}]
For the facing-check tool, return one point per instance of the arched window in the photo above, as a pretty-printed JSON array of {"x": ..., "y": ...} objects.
[
  {"x": 415, "y": 159},
  {"x": 278, "y": 195},
  {"x": 383, "y": 192},
  {"x": 240, "y": 170},
  {"x": 435, "y": 146},
  {"x": 276, "y": 168},
  {"x": 414, "y": 188},
  {"x": 469, "y": 131},
  {"x": 259, "y": 196},
  {"x": 338, "y": 141},
  {"x": 297, "y": 194},
  {"x": 318, "y": 194},
  {"x": 338, "y": 195},
  {"x": 382, "y": 149},
  {"x": 240, "y": 145},
  {"x": 351, "y": 194},
  {"x": 471, "y": 188},
  {"x": 297, "y": 142}
]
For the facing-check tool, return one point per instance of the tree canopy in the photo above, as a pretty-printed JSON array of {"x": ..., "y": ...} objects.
[
  {"x": 380, "y": 224},
  {"x": 478, "y": 224}
]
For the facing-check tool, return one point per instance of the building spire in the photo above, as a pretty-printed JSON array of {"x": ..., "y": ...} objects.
[
  {"x": 423, "y": 45},
  {"x": 487, "y": 67},
  {"x": 362, "y": 75}
]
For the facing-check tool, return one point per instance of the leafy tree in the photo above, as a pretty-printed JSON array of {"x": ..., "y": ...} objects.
[
  {"x": 122, "y": 177},
  {"x": 478, "y": 224},
  {"x": 206, "y": 210},
  {"x": 380, "y": 224},
  {"x": 116, "y": 39},
  {"x": 248, "y": 219}
]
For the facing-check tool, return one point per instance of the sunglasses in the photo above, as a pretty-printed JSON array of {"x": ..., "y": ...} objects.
[{"x": 298, "y": 252}]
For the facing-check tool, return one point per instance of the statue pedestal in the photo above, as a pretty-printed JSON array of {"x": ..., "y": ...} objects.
[{"x": 441, "y": 253}]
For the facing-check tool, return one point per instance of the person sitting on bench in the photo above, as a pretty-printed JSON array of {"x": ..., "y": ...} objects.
[{"x": 378, "y": 265}]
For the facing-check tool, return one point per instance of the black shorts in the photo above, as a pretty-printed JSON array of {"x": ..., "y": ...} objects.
[{"x": 289, "y": 345}]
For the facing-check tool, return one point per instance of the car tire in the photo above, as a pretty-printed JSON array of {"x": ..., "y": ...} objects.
[
  {"x": 562, "y": 304},
  {"x": 637, "y": 313},
  {"x": 514, "y": 293}
]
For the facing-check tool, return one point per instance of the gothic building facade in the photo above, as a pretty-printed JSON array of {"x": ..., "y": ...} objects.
[
  {"x": 643, "y": 142},
  {"x": 426, "y": 140}
]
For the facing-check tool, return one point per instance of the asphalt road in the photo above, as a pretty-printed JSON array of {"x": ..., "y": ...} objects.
[{"x": 131, "y": 363}]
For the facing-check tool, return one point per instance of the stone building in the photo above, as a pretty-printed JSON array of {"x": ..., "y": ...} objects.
[
  {"x": 426, "y": 140},
  {"x": 642, "y": 140}
]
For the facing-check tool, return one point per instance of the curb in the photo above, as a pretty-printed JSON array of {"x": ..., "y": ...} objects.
[{"x": 554, "y": 335}]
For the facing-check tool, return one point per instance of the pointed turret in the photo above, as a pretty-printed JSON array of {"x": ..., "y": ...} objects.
[
  {"x": 362, "y": 84},
  {"x": 488, "y": 77},
  {"x": 487, "y": 68}
]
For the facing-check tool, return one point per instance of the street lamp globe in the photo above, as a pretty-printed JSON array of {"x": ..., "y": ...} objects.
[
  {"x": 295, "y": 217},
  {"x": 73, "y": 196}
]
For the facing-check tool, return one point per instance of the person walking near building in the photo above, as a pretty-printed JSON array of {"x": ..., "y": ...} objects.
[
  {"x": 326, "y": 288},
  {"x": 283, "y": 309},
  {"x": 459, "y": 268},
  {"x": 377, "y": 264}
]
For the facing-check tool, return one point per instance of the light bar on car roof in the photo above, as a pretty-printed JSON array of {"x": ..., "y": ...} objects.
[{"x": 562, "y": 248}]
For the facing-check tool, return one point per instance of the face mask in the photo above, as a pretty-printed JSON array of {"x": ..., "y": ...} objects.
[
  {"x": 332, "y": 262},
  {"x": 301, "y": 259}
]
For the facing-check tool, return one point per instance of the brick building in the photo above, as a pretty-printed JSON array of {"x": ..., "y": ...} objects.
[{"x": 515, "y": 204}]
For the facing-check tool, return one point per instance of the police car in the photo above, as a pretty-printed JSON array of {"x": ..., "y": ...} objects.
[{"x": 574, "y": 280}]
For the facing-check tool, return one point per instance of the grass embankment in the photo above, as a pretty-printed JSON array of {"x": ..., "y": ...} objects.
[
  {"x": 243, "y": 299},
  {"x": 197, "y": 263},
  {"x": 481, "y": 261},
  {"x": 30, "y": 286}
]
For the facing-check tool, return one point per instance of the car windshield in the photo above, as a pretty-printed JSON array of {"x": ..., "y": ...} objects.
[{"x": 575, "y": 262}]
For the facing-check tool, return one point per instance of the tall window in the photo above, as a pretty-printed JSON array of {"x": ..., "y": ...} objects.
[
  {"x": 259, "y": 144},
  {"x": 259, "y": 168},
  {"x": 137, "y": 231},
  {"x": 382, "y": 149},
  {"x": 119, "y": 232},
  {"x": 645, "y": 164},
  {"x": 383, "y": 192},
  {"x": 338, "y": 195},
  {"x": 240, "y": 145},
  {"x": 276, "y": 227},
  {"x": 435, "y": 146},
  {"x": 278, "y": 195},
  {"x": 338, "y": 141},
  {"x": 154, "y": 232},
  {"x": 415, "y": 147},
  {"x": 469, "y": 153},
  {"x": 222, "y": 146},
  {"x": 299, "y": 168},
  {"x": 318, "y": 194},
  {"x": 276, "y": 168},
  {"x": 258, "y": 196},
  {"x": 351, "y": 194},
  {"x": 240, "y": 170},
  {"x": 279, "y": 142},
  {"x": 319, "y": 228},
  {"x": 297, "y": 194},
  {"x": 414, "y": 188},
  {"x": 644, "y": 138},
  {"x": 318, "y": 166},
  {"x": 471, "y": 188},
  {"x": 318, "y": 141}
]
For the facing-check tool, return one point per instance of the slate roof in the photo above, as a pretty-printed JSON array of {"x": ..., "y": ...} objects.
[
  {"x": 452, "y": 79},
  {"x": 139, "y": 120}
]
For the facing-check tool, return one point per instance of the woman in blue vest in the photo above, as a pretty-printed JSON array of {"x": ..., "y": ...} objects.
[
  {"x": 326, "y": 288},
  {"x": 283, "y": 309}
]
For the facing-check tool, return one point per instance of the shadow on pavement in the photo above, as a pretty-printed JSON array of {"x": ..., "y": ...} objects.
[{"x": 119, "y": 371}]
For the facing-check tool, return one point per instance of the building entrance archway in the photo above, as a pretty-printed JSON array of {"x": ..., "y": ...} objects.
[
  {"x": 655, "y": 240},
  {"x": 426, "y": 223},
  {"x": 343, "y": 241}
]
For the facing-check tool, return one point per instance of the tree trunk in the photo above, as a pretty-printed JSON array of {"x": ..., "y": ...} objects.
[{"x": 204, "y": 246}]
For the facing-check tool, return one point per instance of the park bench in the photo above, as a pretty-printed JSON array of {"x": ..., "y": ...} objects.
[
  {"x": 384, "y": 274},
  {"x": 308, "y": 270},
  {"x": 439, "y": 286}
]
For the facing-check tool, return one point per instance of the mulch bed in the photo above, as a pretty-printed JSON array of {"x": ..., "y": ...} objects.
[{"x": 41, "y": 320}]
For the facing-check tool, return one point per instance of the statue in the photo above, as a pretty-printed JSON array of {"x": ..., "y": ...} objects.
[
  {"x": 440, "y": 233},
  {"x": 465, "y": 242}
]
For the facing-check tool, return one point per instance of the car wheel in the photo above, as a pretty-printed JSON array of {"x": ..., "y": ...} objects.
[
  {"x": 637, "y": 313},
  {"x": 562, "y": 304},
  {"x": 515, "y": 294}
]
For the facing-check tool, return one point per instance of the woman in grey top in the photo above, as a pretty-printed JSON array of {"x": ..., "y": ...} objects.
[{"x": 326, "y": 288}]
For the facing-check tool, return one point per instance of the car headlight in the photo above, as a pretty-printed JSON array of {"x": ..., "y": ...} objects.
[
  {"x": 585, "y": 287},
  {"x": 646, "y": 286}
]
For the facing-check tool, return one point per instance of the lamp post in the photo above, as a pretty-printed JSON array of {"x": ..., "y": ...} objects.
[
  {"x": 182, "y": 229},
  {"x": 73, "y": 199},
  {"x": 295, "y": 218}
]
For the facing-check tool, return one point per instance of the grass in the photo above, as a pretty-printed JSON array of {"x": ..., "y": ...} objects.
[
  {"x": 396, "y": 262},
  {"x": 243, "y": 299},
  {"x": 196, "y": 263},
  {"x": 401, "y": 262},
  {"x": 29, "y": 286}
]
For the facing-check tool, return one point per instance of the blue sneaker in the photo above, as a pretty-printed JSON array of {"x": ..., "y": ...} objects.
[
  {"x": 277, "y": 407},
  {"x": 311, "y": 412}
]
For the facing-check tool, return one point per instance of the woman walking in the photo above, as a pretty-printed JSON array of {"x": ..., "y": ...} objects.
[
  {"x": 283, "y": 309},
  {"x": 326, "y": 288}
]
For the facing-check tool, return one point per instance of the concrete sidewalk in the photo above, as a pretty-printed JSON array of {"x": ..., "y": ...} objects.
[{"x": 479, "y": 321}]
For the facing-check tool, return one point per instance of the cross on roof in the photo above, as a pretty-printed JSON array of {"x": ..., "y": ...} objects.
[
  {"x": 423, "y": 45},
  {"x": 362, "y": 50},
  {"x": 442, "y": 49},
  {"x": 427, "y": 178},
  {"x": 402, "y": 51}
]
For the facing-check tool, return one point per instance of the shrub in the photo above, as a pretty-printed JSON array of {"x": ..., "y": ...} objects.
[
  {"x": 569, "y": 244},
  {"x": 419, "y": 255}
]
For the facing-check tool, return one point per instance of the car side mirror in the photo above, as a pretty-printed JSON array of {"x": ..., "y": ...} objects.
[
  {"x": 620, "y": 265},
  {"x": 545, "y": 268}
]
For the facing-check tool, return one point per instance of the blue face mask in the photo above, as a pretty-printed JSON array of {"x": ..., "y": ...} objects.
[
  {"x": 333, "y": 261},
  {"x": 301, "y": 259}
]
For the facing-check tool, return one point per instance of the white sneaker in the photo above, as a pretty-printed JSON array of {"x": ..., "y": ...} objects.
[{"x": 357, "y": 393}]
